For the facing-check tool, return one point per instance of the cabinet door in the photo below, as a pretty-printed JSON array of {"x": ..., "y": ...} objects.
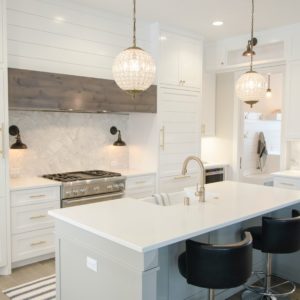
[
  {"x": 179, "y": 129},
  {"x": 2, "y": 138},
  {"x": 190, "y": 63},
  {"x": 208, "y": 105},
  {"x": 293, "y": 103},
  {"x": 2, "y": 234},
  {"x": 169, "y": 60}
]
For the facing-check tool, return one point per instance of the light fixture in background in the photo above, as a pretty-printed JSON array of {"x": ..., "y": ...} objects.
[
  {"x": 59, "y": 19},
  {"x": 134, "y": 69},
  {"x": 248, "y": 49},
  {"x": 269, "y": 90},
  {"x": 251, "y": 86},
  {"x": 14, "y": 131},
  {"x": 119, "y": 142},
  {"x": 217, "y": 23}
]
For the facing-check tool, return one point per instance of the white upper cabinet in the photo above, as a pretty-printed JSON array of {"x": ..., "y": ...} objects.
[
  {"x": 292, "y": 104},
  {"x": 180, "y": 61}
]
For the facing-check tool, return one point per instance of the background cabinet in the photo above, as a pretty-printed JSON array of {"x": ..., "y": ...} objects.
[
  {"x": 180, "y": 61},
  {"x": 293, "y": 103},
  {"x": 179, "y": 114}
]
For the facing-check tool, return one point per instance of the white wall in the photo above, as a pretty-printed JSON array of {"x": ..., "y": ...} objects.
[
  {"x": 56, "y": 36},
  {"x": 64, "y": 142}
]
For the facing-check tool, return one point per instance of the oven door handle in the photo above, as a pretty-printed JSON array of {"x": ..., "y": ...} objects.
[
  {"x": 87, "y": 199},
  {"x": 215, "y": 173}
]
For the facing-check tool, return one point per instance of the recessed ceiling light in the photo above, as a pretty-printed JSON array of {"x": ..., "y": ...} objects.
[
  {"x": 59, "y": 19},
  {"x": 162, "y": 38},
  {"x": 218, "y": 23}
]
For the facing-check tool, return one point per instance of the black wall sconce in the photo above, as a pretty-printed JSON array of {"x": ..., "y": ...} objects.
[
  {"x": 119, "y": 142},
  {"x": 14, "y": 131},
  {"x": 248, "y": 50}
]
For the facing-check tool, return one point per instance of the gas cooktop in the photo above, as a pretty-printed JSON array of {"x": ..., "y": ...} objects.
[{"x": 81, "y": 175}]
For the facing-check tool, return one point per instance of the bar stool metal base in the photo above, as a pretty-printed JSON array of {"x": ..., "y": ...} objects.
[{"x": 264, "y": 286}]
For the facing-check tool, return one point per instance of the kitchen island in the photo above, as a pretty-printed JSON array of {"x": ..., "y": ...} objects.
[{"x": 127, "y": 248}]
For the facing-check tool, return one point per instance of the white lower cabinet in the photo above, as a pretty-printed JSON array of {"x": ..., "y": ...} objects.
[
  {"x": 2, "y": 235},
  {"x": 32, "y": 244},
  {"x": 140, "y": 186},
  {"x": 32, "y": 229},
  {"x": 288, "y": 183}
]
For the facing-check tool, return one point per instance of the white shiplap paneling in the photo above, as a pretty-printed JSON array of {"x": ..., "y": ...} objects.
[{"x": 55, "y": 36}]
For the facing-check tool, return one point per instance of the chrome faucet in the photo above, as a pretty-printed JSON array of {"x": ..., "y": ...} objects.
[{"x": 200, "y": 192}]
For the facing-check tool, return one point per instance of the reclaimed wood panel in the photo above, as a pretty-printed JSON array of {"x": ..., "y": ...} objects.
[{"x": 33, "y": 90}]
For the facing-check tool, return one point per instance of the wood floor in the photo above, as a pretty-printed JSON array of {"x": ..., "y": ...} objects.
[
  {"x": 47, "y": 267},
  {"x": 26, "y": 274}
]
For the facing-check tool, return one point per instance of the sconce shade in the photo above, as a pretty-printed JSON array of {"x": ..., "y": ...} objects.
[
  {"x": 14, "y": 131},
  {"x": 119, "y": 141}
]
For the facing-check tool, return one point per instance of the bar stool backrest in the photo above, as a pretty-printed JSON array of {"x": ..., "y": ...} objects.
[
  {"x": 219, "y": 266},
  {"x": 281, "y": 235}
]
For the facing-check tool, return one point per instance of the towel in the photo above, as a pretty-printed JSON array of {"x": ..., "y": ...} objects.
[
  {"x": 162, "y": 199},
  {"x": 262, "y": 151}
]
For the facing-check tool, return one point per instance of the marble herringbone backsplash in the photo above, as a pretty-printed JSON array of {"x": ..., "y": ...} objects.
[{"x": 63, "y": 142}]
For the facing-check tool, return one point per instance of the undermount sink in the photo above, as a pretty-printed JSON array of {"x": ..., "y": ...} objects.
[{"x": 177, "y": 198}]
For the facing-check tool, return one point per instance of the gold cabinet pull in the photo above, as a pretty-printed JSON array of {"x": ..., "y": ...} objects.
[
  {"x": 140, "y": 182},
  {"x": 37, "y": 196},
  {"x": 2, "y": 140},
  {"x": 38, "y": 217},
  {"x": 182, "y": 177},
  {"x": 38, "y": 243},
  {"x": 162, "y": 138}
]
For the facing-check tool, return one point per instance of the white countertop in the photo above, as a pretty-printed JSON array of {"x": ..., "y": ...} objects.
[
  {"x": 210, "y": 165},
  {"x": 143, "y": 226},
  {"x": 22, "y": 183},
  {"x": 133, "y": 172},
  {"x": 288, "y": 173}
]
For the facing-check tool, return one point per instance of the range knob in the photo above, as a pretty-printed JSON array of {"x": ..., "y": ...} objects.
[
  {"x": 96, "y": 188},
  {"x": 75, "y": 192},
  {"x": 82, "y": 191},
  {"x": 110, "y": 187},
  {"x": 121, "y": 185}
]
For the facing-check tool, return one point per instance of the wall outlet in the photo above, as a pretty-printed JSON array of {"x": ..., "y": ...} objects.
[{"x": 92, "y": 264}]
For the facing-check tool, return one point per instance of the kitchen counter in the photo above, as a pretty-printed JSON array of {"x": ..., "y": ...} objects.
[
  {"x": 287, "y": 173},
  {"x": 22, "y": 183},
  {"x": 133, "y": 172},
  {"x": 143, "y": 227}
]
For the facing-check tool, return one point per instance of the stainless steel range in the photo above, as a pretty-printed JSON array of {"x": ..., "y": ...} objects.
[{"x": 85, "y": 187}]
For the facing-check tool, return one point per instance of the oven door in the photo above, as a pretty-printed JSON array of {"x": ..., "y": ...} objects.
[
  {"x": 91, "y": 199},
  {"x": 214, "y": 175}
]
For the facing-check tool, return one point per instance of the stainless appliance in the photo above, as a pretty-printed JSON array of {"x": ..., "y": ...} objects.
[
  {"x": 84, "y": 187},
  {"x": 214, "y": 175}
]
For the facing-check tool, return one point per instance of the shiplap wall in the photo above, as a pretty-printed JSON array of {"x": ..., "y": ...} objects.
[{"x": 61, "y": 37}]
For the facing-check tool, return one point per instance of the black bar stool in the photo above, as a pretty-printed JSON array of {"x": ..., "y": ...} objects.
[
  {"x": 217, "y": 266},
  {"x": 275, "y": 236}
]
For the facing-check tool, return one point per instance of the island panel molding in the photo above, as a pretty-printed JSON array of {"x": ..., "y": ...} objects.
[{"x": 43, "y": 91}]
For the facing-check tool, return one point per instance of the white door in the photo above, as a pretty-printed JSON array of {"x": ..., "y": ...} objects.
[
  {"x": 190, "y": 62},
  {"x": 169, "y": 60}
]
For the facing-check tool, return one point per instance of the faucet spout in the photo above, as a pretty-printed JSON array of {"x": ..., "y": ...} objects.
[{"x": 200, "y": 192}]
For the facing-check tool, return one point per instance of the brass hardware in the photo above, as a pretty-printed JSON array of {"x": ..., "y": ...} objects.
[
  {"x": 203, "y": 129},
  {"x": 37, "y": 196},
  {"x": 38, "y": 243},
  {"x": 162, "y": 138},
  {"x": 287, "y": 184},
  {"x": 2, "y": 139},
  {"x": 140, "y": 182},
  {"x": 182, "y": 177},
  {"x": 38, "y": 217}
]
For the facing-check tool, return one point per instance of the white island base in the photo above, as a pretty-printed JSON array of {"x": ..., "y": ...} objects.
[{"x": 128, "y": 249}]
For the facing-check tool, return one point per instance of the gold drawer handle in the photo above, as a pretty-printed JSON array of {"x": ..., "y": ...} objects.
[
  {"x": 38, "y": 243},
  {"x": 38, "y": 217},
  {"x": 182, "y": 177},
  {"x": 37, "y": 196},
  {"x": 140, "y": 182},
  {"x": 287, "y": 184}
]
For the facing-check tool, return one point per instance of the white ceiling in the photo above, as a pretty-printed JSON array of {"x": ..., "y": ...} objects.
[{"x": 197, "y": 15}]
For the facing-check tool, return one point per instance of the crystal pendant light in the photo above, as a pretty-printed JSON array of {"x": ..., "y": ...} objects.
[
  {"x": 251, "y": 86},
  {"x": 134, "y": 69}
]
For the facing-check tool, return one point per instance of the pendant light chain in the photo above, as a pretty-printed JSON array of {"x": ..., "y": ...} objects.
[
  {"x": 134, "y": 23},
  {"x": 252, "y": 30}
]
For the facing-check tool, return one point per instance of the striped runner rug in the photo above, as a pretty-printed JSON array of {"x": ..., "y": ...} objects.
[{"x": 41, "y": 289}]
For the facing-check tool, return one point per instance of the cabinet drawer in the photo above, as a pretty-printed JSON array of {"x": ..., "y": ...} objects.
[
  {"x": 177, "y": 183},
  {"x": 34, "y": 196},
  {"x": 32, "y": 244},
  {"x": 140, "y": 182},
  {"x": 32, "y": 217},
  {"x": 140, "y": 193},
  {"x": 287, "y": 183}
]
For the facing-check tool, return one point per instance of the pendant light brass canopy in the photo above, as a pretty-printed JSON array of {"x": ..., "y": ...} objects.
[
  {"x": 134, "y": 69},
  {"x": 251, "y": 86}
]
